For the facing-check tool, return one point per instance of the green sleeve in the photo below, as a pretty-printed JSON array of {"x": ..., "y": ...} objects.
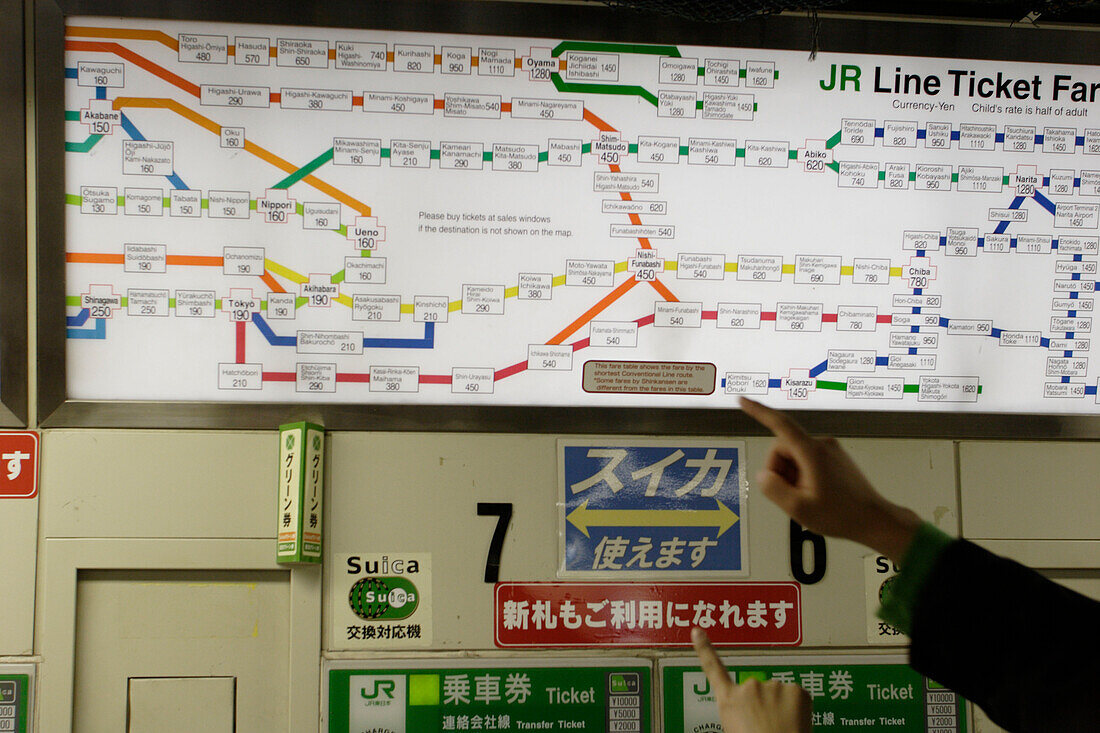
[{"x": 900, "y": 599}]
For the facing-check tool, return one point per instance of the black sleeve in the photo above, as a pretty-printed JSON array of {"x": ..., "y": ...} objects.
[{"x": 1023, "y": 648}]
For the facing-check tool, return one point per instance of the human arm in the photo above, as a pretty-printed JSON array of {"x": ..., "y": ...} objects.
[
  {"x": 1018, "y": 645},
  {"x": 753, "y": 706},
  {"x": 820, "y": 487}
]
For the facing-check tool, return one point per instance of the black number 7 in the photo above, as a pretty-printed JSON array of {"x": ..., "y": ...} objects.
[{"x": 503, "y": 512}]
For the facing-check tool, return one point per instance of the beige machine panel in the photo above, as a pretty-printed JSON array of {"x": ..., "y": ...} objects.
[
  {"x": 133, "y": 624},
  {"x": 1004, "y": 486},
  {"x": 401, "y": 494},
  {"x": 182, "y": 704},
  {"x": 18, "y": 537},
  {"x": 157, "y": 559},
  {"x": 147, "y": 483}
]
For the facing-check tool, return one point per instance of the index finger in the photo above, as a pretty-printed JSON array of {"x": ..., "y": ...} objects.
[
  {"x": 774, "y": 420},
  {"x": 715, "y": 671}
]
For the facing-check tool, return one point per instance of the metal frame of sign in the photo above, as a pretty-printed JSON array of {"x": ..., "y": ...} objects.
[
  {"x": 13, "y": 218},
  {"x": 842, "y": 34}
]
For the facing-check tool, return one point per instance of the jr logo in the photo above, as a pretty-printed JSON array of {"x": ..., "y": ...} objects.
[
  {"x": 705, "y": 688},
  {"x": 379, "y": 687},
  {"x": 848, "y": 75}
]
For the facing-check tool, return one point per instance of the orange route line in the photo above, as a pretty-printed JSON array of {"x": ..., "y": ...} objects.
[
  {"x": 594, "y": 311},
  {"x": 94, "y": 258},
  {"x": 272, "y": 282},
  {"x": 251, "y": 147},
  {"x": 133, "y": 34},
  {"x": 196, "y": 260},
  {"x": 596, "y": 122},
  {"x": 209, "y": 124},
  {"x": 123, "y": 52},
  {"x": 102, "y": 258},
  {"x": 664, "y": 291}
]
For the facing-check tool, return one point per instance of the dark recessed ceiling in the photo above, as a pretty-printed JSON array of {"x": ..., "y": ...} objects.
[{"x": 1085, "y": 12}]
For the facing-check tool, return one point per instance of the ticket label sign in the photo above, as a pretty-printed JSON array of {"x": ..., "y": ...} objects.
[
  {"x": 867, "y": 693},
  {"x": 531, "y": 615},
  {"x": 15, "y": 698},
  {"x": 439, "y": 695},
  {"x": 635, "y": 508}
]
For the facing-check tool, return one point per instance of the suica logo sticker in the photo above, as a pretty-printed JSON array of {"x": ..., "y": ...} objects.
[{"x": 383, "y": 599}]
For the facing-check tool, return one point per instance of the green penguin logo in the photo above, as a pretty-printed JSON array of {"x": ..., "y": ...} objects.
[
  {"x": 374, "y": 599},
  {"x": 884, "y": 589}
]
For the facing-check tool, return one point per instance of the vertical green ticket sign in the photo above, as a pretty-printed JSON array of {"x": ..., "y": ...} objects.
[
  {"x": 301, "y": 486},
  {"x": 13, "y": 702},
  {"x": 847, "y": 693},
  {"x": 569, "y": 697}
]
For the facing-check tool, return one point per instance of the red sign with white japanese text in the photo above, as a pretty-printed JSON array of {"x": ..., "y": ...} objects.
[
  {"x": 646, "y": 614},
  {"x": 18, "y": 464}
]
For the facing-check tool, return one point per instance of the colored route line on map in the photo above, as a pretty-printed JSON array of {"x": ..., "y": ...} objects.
[
  {"x": 173, "y": 43},
  {"x": 304, "y": 173},
  {"x": 295, "y": 174},
  {"x": 202, "y": 121},
  {"x": 249, "y": 146},
  {"x": 73, "y": 199}
]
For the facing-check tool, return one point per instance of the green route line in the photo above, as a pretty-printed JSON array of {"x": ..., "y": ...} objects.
[
  {"x": 74, "y": 301},
  {"x": 833, "y": 141},
  {"x": 88, "y": 144},
  {"x": 699, "y": 105},
  {"x": 305, "y": 170},
  {"x": 83, "y": 147},
  {"x": 627, "y": 89},
  {"x": 73, "y": 199},
  {"x": 843, "y": 387},
  {"x": 614, "y": 48}
]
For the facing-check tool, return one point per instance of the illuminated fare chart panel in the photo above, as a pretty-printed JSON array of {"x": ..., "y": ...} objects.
[{"x": 264, "y": 213}]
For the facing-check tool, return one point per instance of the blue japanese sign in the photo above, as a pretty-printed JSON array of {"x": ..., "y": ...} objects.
[{"x": 652, "y": 508}]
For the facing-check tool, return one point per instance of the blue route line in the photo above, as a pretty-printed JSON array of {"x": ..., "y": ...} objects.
[
  {"x": 70, "y": 73},
  {"x": 98, "y": 331},
  {"x": 1003, "y": 225},
  {"x": 427, "y": 342},
  {"x": 132, "y": 131},
  {"x": 272, "y": 339},
  {"x": 79, "y": 319},
  {"x": 135, "y": 134},
  {"x": 1044, "y": 202}
]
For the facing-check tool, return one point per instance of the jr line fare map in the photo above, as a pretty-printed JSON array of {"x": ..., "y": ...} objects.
[{"x": 263, "y": 213}]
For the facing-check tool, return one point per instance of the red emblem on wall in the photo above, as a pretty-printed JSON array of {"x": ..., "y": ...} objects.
[{"x": 18, "y": 464}]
